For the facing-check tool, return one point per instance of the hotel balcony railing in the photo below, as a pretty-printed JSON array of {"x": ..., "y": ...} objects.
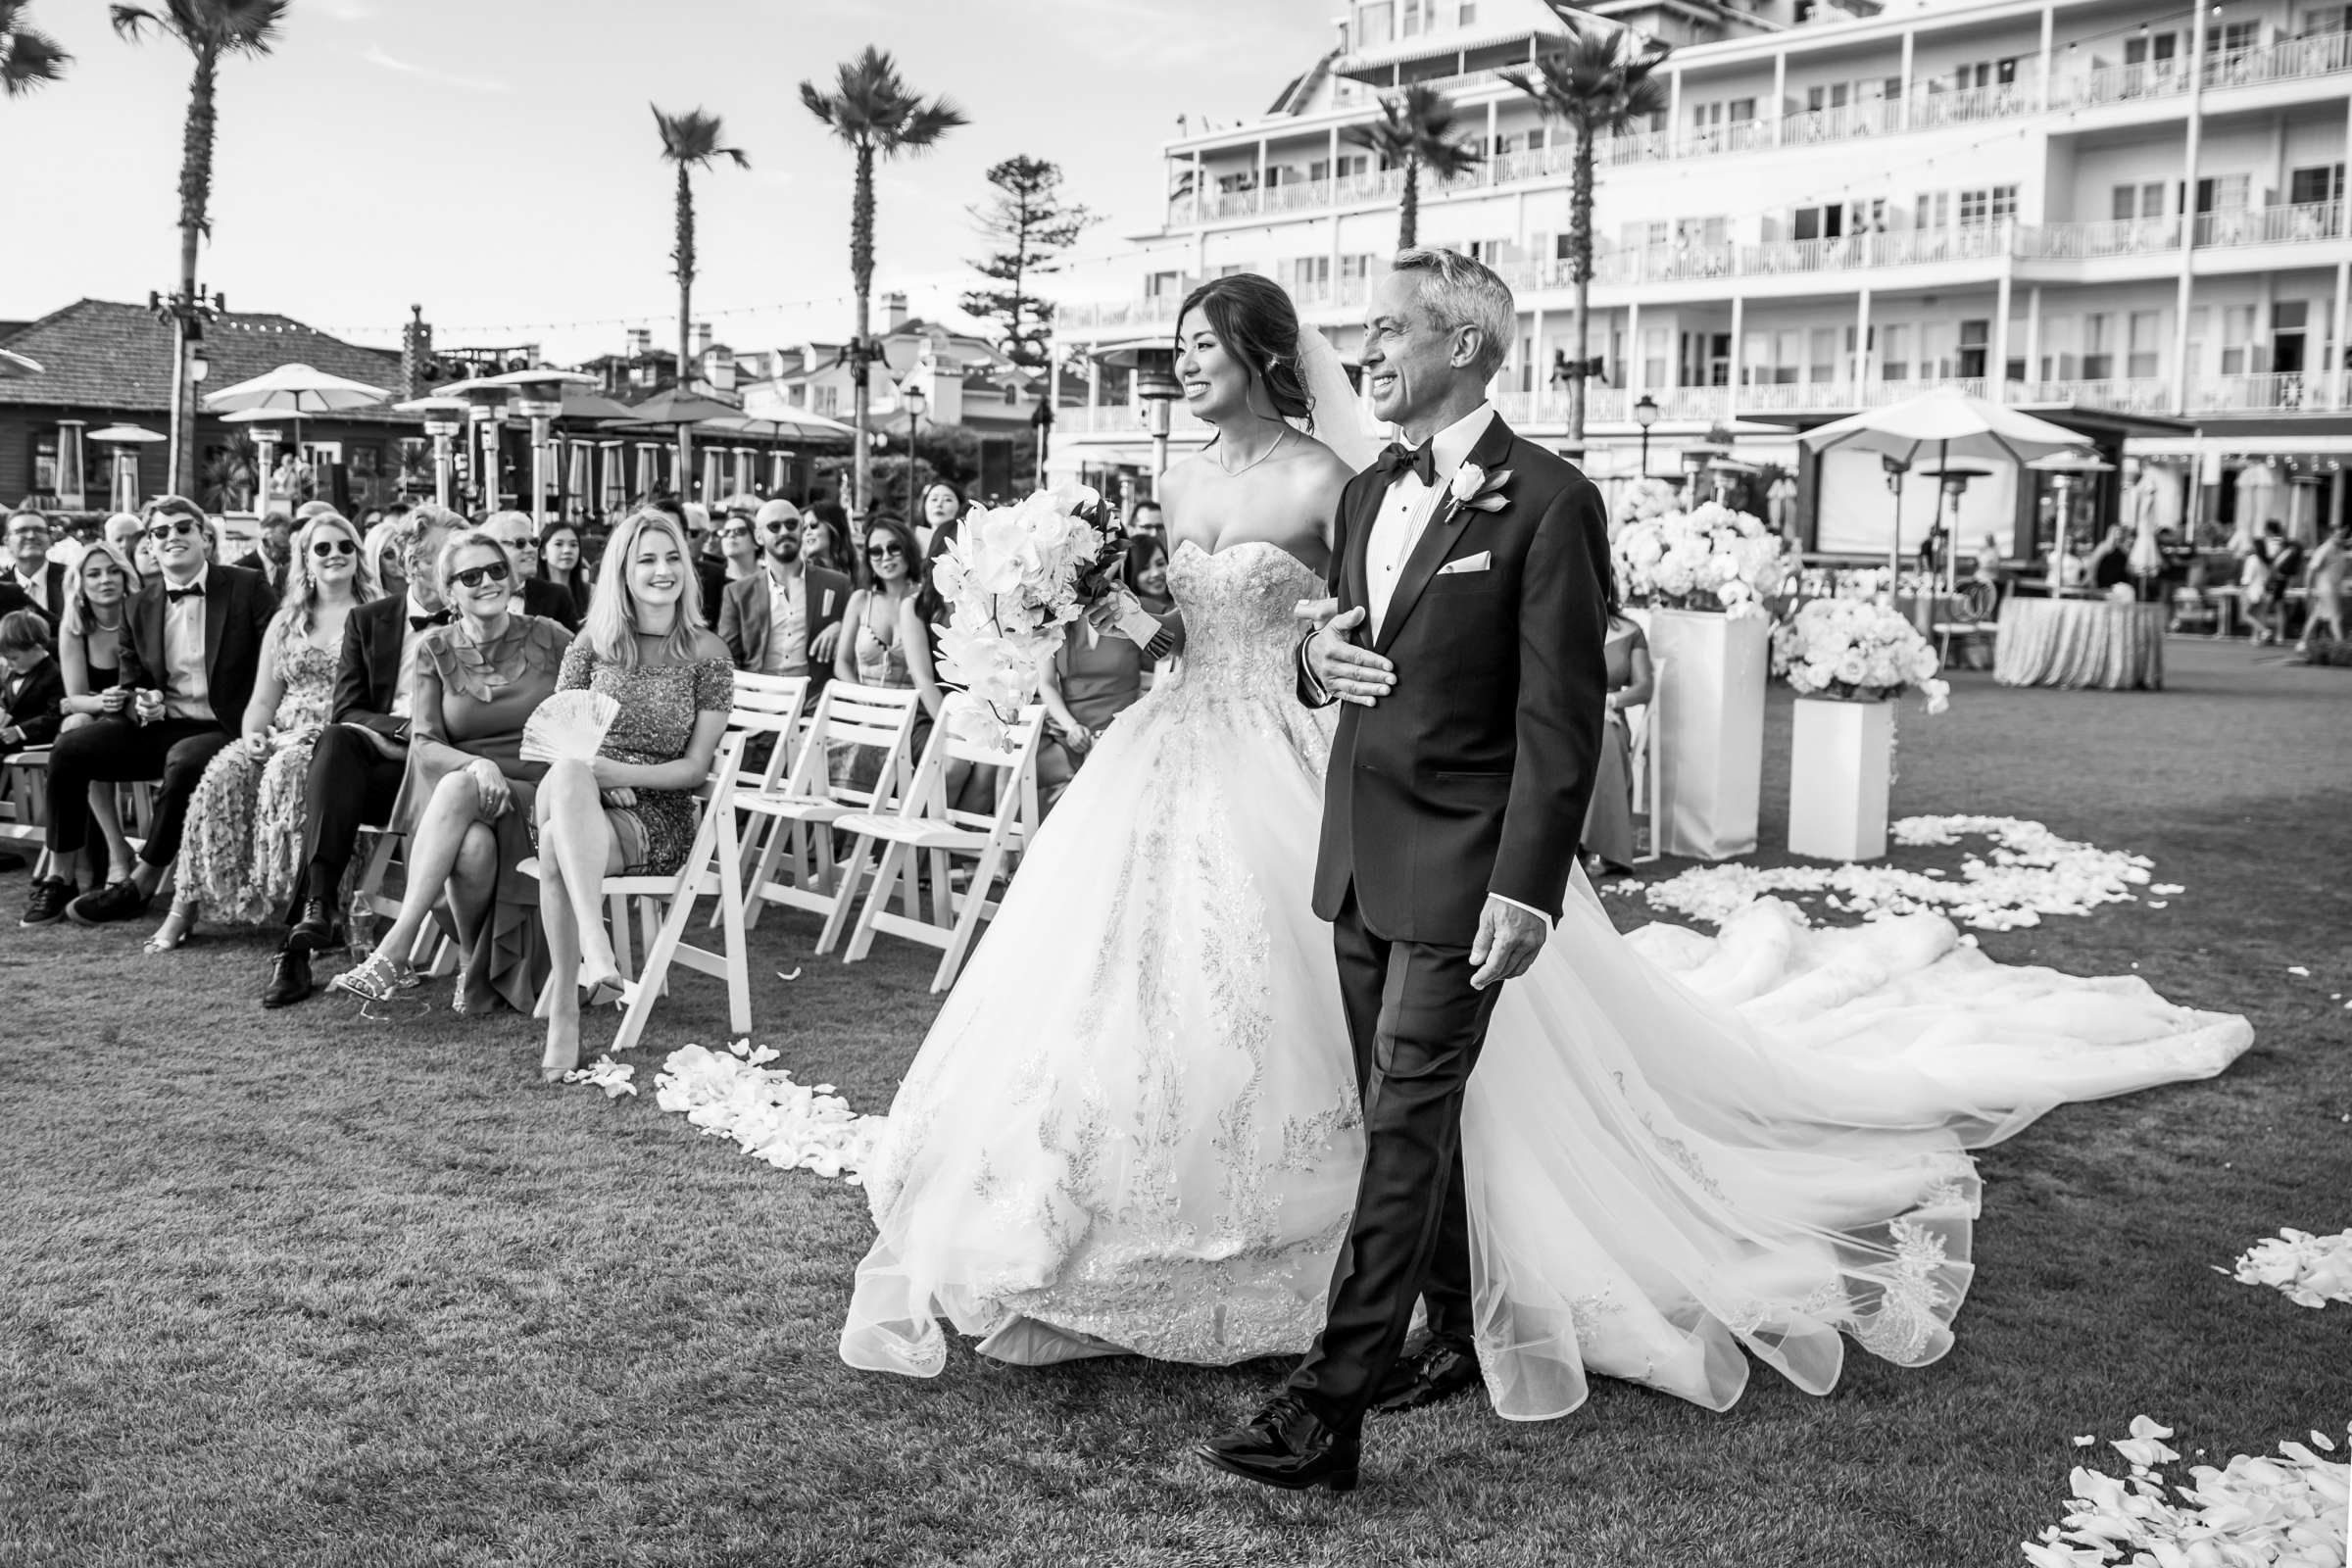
[
  {"x": 2134, "y": 395},
  {"x": 2122, "y": 237},
  {"x": 2319, "y": 56},
  {"x": 2282, "y": 391},
  {"x": 2272, "y": 225}
]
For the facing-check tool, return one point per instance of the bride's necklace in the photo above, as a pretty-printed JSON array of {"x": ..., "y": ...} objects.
[{"x": 1272, "y": 447}]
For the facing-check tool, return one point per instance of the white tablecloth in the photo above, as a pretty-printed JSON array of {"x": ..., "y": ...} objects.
[{"x": 2080, "y": 642}]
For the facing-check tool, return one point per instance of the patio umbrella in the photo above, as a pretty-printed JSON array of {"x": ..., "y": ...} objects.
[
  {"x": 679, "y": 411},
  {"x": 13, "y": 366},
  {"x": 612, "y": 482},
  {"x": 582, "y": 407},
  {"x": 296, "y": 389},
  {"x": 792, "y": 425},
  {"x": 1945, "y": 423}
]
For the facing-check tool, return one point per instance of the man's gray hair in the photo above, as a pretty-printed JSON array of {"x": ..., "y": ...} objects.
[{"x": 1459, "y": 290}]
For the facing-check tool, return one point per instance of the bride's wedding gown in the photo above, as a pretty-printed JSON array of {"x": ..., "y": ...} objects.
[{"x": 1133, "y": 1126}]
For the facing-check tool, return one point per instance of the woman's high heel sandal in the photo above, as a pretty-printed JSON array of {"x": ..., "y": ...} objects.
[
  {"x": 376, "y": 979},
  {"x": 177, "y": 927}
]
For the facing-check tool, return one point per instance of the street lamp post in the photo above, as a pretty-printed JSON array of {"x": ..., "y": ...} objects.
[
  {"x": 1645, "y": 415},
  {"x": 912, "y": 393}
]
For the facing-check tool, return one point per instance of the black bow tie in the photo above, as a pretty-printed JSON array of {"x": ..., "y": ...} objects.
[
  {"x": 439, "y": 617},
  {"x": 1396, "y": 458},
  {"x": 175, "y": 595}
]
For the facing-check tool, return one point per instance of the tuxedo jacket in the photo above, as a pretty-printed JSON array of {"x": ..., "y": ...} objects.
[
  {"x": 745, "y": 619},
  {"x": 550, "y": 600},
  {"x": 274, "y": 571},
  {"x": 238, "y": 607},
  {"x": 33, "y": 707},
  {"x": 367, "y": 672},
  {"x": 13, "y": 598},
  {"x": 1471, "y": 776}
]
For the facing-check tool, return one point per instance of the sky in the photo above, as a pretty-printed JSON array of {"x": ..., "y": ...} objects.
[{"x": 496, "y": 160}]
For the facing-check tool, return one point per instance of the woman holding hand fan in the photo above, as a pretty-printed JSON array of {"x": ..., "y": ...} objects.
[{"x": 622, "y": 801}]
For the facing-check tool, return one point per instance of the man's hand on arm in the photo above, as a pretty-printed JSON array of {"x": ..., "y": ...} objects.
[{"x": 1336, "y": 666}]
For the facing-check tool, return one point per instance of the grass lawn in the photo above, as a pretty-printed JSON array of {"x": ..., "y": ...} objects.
[{"x": 296, "y": 1287}]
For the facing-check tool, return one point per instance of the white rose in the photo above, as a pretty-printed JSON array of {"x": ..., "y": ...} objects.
[{"x": 1466, "y": 481}]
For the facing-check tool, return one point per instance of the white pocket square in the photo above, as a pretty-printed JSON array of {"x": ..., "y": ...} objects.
[{"x": 1478, "y": 563}]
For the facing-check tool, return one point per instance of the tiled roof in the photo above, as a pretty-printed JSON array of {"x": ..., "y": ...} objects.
[{"x": 98, "y": 354}]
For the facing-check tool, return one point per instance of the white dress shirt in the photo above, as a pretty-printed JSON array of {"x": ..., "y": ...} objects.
[
  {"x": 36, "y": 588},
  {"x": 404, "y": 684},
  {"x": 187, "y": 690},
  {"x": 1407, "y": 509},
  {"x": 787, "y": 626}
]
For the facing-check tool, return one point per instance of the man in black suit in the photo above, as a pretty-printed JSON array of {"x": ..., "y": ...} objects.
[
  {"x": 357, "y": 765},
  {"x": 192, "y": 655},
  {"x": 32, "y": 581},
  {"x": 534, "y": 595},
  {"x": 1464, "y": 632},
  {"x": 273, "y": 553},
  {"x": 785, "y": 618}
]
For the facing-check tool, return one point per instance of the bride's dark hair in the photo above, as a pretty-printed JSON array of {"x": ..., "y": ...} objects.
[{"x": 1253, "y": 319}]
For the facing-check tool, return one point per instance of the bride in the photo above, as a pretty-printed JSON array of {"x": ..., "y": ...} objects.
[{"x": 1133, "y": 1127}]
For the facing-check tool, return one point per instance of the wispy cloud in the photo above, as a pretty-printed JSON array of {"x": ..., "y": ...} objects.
[
  {"x": 375, "y": 56},
  {"x": 347, "y": 10}
]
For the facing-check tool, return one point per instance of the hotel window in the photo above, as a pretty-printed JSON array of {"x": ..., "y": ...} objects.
[
  {"x": 1356, "y": 267},
  {"x": 1817, "y": 222},
  {"x": 1866, "y": 218},
  {"x": 1975, "y": 337},
  {"x": 2098, "y": 346},
  {"x": 1309, "y": 271},
  {"x": 1319, "y": 170},
  {"x": 1984, "y": 74},
  {"x": 2324, "y": 182},
  {"x": 2144, "y": 200},
  {"x": 1788, "y": 356},
  {"x": 1936, "y": 345},
  {"x": 2237, "y": 339},
  {"x": 2226, "y": 193},
  {"x": 2233, "y": 38},
  {"x": 1160, "y": 285},
  {"x": 2288, "y": 320},
  {"x": 2158, "y": 49},
  {"x": 2324, "y": 19},
  {"x": 1894, "y": 355},
  {"x": 1934, "y": 211},
  {"x": 1821, "y": 357},
  {"x": 1989, "y": 206},
  {"x": 1373, "y": 23},
  {"x": 44, "y": 464},
  {"x": 1467, "y": 16},
  {"x": 2143, "y": 327},
  {"x": 1653, "y": 356},
  {"x": 828, "y": 400},
  {"x": 2200, "y": 326},
  {"x": 1831, "y": 96},
  {"x": 1416, "y": 16}
]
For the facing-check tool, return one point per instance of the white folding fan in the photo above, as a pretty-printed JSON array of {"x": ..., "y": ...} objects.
[{"x": 568, "y": 727}]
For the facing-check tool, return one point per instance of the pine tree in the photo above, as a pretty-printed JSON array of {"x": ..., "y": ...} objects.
[{"x": 1031, "y": 223}]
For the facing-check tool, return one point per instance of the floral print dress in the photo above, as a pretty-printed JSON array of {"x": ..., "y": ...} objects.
[{"x": 243, "y": 850}]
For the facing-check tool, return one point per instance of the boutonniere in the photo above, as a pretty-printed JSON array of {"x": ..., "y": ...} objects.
[{"x": 1474, "y": 489}]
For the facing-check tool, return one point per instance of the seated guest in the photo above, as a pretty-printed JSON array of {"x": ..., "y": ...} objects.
[
  {"x": 244, "y": 849},
  {"x": 357, "y": 762},
  {"x": 1148, "y": 573},
  {"x": 1145, "y": 517},
  {"x": 942, "y": 510},
  {"x": 632, "y": 812},
  {"x": 465, "y": 799},
  {"x": 1609, "y": 818},
  {"x": 89, "y": 655},
  {"x": 785, "y": 618},
  {"x": 71, "y": 539},
  {"x": 886, "y": 641},
  {"x": 32, "y": 687},
  {"x": 1087, "y": 685},
  {"x": 825, "y": 538},
  {"x": 560, "y": 561},
  {"x": 383, "y": 547},
  {"x": 193, "y": 655},
  {"x": 739, "y": 537},
  {"x": 709, "y": 562},
  {"x": 533, "y": 594},
  {"x": 32, "y": 580},
  {"x": 126, "y": 532},
  {"x": 275, "y": 550}
]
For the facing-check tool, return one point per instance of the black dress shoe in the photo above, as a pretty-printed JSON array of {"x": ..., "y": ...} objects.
[
  {"x": 290, "y": 978},
  {"x": 1288, "y": 1445},
  {"x": 313, "y": 931},
  {"x": 47, "y": 906},
  {"x": 1440, "y": 1371},
  {"x": 116, "y": 901}
]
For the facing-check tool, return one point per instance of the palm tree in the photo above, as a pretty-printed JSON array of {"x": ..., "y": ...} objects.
[
  {"x": 1415, "y": 131},
  {"x": 208, "y": 29},
  {"x": 690, "y": 141},
  {"x": 1601, "y": 83},
  {"x": 29, "y": 57},
  {"x": 871, "y": 111}
]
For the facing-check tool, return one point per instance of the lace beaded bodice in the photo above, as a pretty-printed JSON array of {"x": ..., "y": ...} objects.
[{"x": 1241, "y": 641}]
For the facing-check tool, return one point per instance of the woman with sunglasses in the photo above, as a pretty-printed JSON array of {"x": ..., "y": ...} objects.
[
  {"x": 739, "y": 544},
  {"x": 243, "y": 843},
  {"x": 99, "y": 589},
  {"x": 888, "y": 643},
  {"x": 825, "y": 538},
  {"x": 561, "y": 562},
  {"x": 465, "y": 800}
]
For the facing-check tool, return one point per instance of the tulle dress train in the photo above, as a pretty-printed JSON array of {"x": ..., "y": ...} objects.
[{"x": 1133, "y": 1127}]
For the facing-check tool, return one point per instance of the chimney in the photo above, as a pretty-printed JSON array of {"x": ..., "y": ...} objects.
[
  {"x": 416, "y": 355},
  {"x": 894, "y": 311},
  {"x": 702, "y": 338}
]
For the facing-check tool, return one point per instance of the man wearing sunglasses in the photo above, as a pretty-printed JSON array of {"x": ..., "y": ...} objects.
[
  {"x": 534, "y": 595},
  {"x": 785, "y": 618},
  {"x": 357, "y": 765},
  {"x": 191, "y": 657}
]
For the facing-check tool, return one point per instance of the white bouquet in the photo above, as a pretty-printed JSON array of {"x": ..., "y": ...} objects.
[
  {"x": 1856, "y": 648},
  {"x": 1013, "y": 578},
  {"x": 1709, "y": 558}
]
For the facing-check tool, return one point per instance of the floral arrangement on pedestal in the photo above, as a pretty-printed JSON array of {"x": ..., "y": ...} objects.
[
  {"x": 1709, "y": 558},
  {"x": 1856, "y": 649},
  {"x": 1013, "y": 578}
]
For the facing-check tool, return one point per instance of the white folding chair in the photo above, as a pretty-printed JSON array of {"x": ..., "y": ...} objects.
[
  {"x": 799, "y": 816},
  {"x": 663, "y": 905},
  {"x": 1647, "y": 764},
  {"x": 432, "y": 953},
  {"x": 926, "y": 826},
  {"x": 769, "y": 706},
  {"x": 25, "y": 797}
]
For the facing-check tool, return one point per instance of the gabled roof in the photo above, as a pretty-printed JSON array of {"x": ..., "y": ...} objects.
[{"x": 99, "y": 354}]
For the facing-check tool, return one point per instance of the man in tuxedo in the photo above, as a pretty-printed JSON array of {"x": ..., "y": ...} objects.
[
  {"x": 32, "y": 581},
  {"x": 534, "y": 595},
  {"x": 191, "y": 656},
  {"x": 357, "y": 764},
  {"x": 1464, "y": 633},
  {"x": 273, "y": 553},
  {"x": 785, "y": 618},
  {"x": 710, "y": 559}
]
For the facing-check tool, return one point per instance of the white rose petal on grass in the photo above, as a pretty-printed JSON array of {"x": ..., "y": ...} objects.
[
  {"x": 2298, "y": 970},
  {"x": 612, "y": 1077},
  {"x": 2254, "y": 1512},
  {"x": 2307, "y": 1270}
]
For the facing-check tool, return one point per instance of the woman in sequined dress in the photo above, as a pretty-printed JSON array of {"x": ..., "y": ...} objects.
[{"x": 1134, "y": 1126}]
